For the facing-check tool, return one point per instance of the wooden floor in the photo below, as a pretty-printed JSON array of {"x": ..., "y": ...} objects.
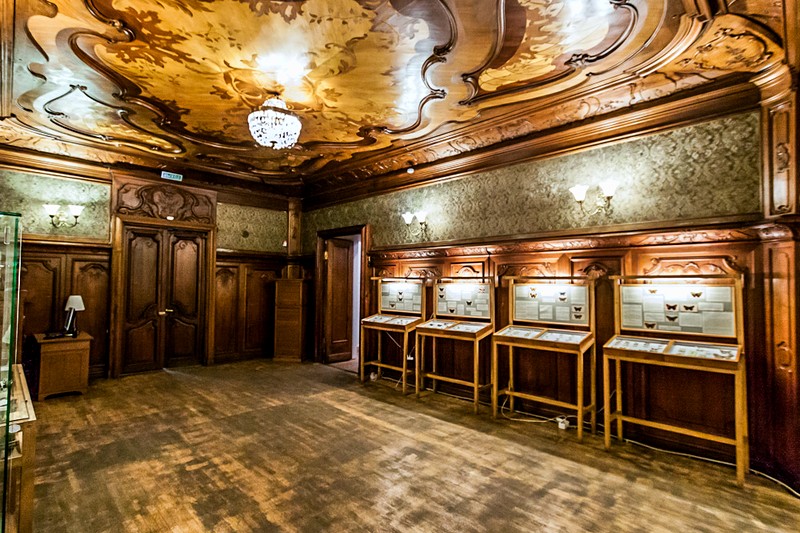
[{"x": 262, "y": 446}]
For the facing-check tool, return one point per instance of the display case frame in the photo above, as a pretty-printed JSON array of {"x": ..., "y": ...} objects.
[
  {"x": 719, "y": 349},
  {"x": 397, "y": 320},
  {"x": 529, "y": 330},
  {"x": 453, "y": 322}
]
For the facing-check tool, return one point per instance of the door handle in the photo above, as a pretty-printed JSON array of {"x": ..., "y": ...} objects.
[
  {"x": 169, "y": 310},
  {"x": 165, "y": 311},
  {"x": 162, "y": 313}
]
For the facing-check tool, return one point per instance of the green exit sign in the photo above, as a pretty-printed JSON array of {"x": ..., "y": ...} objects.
[{"x": 173, "y": 176}]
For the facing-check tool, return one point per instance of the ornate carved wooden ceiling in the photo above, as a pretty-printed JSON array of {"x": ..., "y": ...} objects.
[{"x": 379, "y": 85}]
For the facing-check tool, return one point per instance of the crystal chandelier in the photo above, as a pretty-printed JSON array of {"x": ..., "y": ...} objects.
[{"x": 273, "y": 125}]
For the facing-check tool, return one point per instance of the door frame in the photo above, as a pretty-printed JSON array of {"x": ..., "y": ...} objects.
[
  {"x": 118, "y": 260},
  {"x": 320, "y": 280}
]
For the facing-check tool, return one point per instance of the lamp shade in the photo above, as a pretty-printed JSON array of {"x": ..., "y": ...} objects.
[{"x": 75, "y": 302}]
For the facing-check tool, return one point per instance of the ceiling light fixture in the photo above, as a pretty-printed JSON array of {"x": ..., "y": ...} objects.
[{"x": 273, "y": 125}]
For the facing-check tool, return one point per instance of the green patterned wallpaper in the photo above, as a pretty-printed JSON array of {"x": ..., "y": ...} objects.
[
  {"x": 25, "y": 193},
  {"x": 251, "y": 228},
  {"x": 704, "y": 170}
]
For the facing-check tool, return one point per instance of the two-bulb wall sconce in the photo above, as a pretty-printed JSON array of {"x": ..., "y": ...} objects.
[
  {"x": 602, "y": 201},
  {"x": 421, "y": 228},
  {"x": 61, "y": 219}
]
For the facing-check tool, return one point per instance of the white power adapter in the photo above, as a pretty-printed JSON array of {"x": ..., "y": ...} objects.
[{"x": 563, "y": 423}]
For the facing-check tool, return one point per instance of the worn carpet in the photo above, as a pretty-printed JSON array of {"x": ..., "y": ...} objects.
[{"x": 267, "y": 446}]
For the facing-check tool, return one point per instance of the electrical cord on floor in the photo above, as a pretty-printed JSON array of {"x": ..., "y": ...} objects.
[{"x": 788, "y": 489}]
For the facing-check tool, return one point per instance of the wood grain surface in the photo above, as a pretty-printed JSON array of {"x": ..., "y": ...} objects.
[{"x": 271, "y": 446}]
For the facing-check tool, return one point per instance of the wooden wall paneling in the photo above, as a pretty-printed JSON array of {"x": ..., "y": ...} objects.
[
  {"x": 781, "y": 295},
  {"x": 259, "y": 310},
  {"x": 226, "y": 311},
  {"x": 90, "y": 276},
  {"x": 42, "y": 279},
  {"x": 780, "y": 148}
]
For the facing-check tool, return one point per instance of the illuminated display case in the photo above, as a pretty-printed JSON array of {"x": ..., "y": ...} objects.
[
  {"x": 15, "y": 403},
  {"x": 688, "y": 322},
  {"x": 401, "y": 307},
  {"x": 463, "y": 310},
  {"x": 554, "y": 314}
]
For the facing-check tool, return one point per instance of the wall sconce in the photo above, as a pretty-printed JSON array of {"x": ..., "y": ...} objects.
[
  {"x": 417, "y": 231},
  {"x": 602, "y": 200},
  {"x": 59, "y": 219}
]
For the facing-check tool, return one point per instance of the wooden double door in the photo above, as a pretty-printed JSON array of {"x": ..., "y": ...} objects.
[{"x": 162, "y": 316}]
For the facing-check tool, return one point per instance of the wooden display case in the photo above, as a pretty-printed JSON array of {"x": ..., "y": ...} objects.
[
  {"x": 676, "y": 322},
  {"x": 401, "y": 306},
  {"x": 463, "y": 311},
  {"x": 21, "y": 450},
  {"x": 536, "y": 305}
]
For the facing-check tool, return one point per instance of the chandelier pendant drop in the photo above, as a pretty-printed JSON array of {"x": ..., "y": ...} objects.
[{"x": 273, "y": 125}]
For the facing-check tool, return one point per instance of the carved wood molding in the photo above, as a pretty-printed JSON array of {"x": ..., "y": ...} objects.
[
  {"x": 527, "y": 269},
  {"x": 710, "y": 235},
  {"x": 715, "y": 265},
  {"x": 423, "y": 272},
  {"x": 164, "y": 202},
  {"x": 785, "y": 230}
]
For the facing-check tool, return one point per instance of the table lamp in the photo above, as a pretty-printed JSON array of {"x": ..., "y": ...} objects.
[{"x": 74, "y": 304}]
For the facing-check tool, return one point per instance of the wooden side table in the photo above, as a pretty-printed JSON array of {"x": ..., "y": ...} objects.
[{"x": 63, "y": 365}]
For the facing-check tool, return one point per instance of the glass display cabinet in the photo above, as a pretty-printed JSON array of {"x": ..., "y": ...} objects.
[{"x": 15, "y": 403}]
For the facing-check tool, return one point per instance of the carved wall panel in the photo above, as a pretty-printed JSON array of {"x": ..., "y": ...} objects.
[
  {"x": 49, "y": 274},
  {"x": 245, "y": 306},
  {"x": 780, "y": 156},
  {"x": 781, "y": 292},
  {"x": 163, "y": 202}
]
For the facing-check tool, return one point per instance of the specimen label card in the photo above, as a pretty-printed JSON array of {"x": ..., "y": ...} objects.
[{"x": 549, "y": 302}]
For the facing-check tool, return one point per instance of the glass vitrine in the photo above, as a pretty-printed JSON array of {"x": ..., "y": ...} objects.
[{"x": 9, "y": 275}]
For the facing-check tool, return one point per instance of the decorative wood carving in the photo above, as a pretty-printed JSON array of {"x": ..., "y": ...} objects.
[
  {"x": 721, "y": 265},
  {"x": 573, "y": 243},
  {"x": 780, "y": 165},
  {"x": 164, "y": 202},
  {"x": 146, "y": 102},
  {"x": 422, "y": 272},
  {"x": 536, "y": 269}
]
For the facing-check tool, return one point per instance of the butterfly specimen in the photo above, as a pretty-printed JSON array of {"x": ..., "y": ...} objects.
[
  {"x": 672, "y": 307},
  {"x": 652, "y": 291},
  {"x": 672, "y": 318},
  {"x": 577, "y": 308},
  {"x": 650, "y": 325},
  {"x": 688, "y": 308},
  {"x": 469, "y": 302},
  {"x": 697, "y": 294},
  {"x": 578, "y": 316}
]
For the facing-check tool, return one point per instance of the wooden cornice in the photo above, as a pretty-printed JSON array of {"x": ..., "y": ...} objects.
[
  {"x": 647, "y": 118},
  {"x": 7, "y": 8},
  {"x": 719, "y": 230}
]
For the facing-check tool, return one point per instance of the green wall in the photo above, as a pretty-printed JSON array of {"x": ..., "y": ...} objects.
[
  {"x": 704, "y": 170},
  {"x": 251, "y": 228},
  {"x": 26, "y": 193}
]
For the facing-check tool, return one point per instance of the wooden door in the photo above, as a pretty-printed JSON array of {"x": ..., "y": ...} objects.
[
  {"x": 184, "y": 297},
  {"x": 162, "y": 317},
  {"x": 338, "y": 300},
  {"x": 142, "y": 339}
]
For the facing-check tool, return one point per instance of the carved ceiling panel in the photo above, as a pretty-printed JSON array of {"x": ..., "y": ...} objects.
[{"x": 379, "y": 85}]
